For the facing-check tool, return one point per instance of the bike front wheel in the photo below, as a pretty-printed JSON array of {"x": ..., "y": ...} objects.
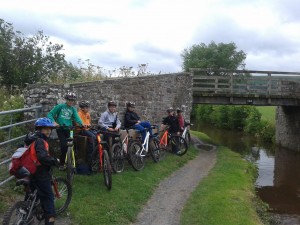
[
  {"x": 17, "y": 214},
  {"x": 70, "y": 165},
  {"x": 118, "y": 162},
  {"x": 188, "y": 138},
  {"x": 62, "y": 190},
  {"x": 107, "y": 170},
  {"x": 156, "y": 152},
  {"x": 181, "y": 144},
  {"x": 137, "y": 161}
]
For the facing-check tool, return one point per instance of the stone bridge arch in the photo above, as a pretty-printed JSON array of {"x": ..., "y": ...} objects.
[{"x": 152, "y": 95}]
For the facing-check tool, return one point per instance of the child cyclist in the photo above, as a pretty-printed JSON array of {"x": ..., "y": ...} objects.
[
  {"x": 109, "y": 121},
  {"x": 41, "y": 180},
  {"x": 63, "y": 115},
  {"x": 84, "y": 107},
  {"x": 132, "y": 120},
  {"x": 172, "y": 121}
]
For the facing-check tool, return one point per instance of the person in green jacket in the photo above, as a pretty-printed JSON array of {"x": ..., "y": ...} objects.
[{"x": 63, "y": 115}]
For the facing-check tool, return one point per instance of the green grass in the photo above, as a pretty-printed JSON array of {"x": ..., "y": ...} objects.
[
  {"x": 92, "y": 203},
  {"x": 226, "y": 196},
  {"x": 268, "y": 113}
]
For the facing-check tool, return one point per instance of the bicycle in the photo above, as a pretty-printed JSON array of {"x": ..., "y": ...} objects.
[
  {"x": 23, "y": 212},
  {"x": 120, "y": 152},
  {"x": 101, "y": 161},
  {"x": 168, "y": 139},
  {"x": 186, "y": 133},
  {"x": 138, "y": 151}
]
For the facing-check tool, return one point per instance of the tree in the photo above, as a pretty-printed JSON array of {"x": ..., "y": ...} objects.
[
  {"x": 214, "y": 56},
  {"x": 27, "y": 59}
]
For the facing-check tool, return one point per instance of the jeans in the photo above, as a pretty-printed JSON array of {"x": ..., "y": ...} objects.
[
  {"x": 141, "y": 128},
  {"x": 91, "y": 143},
  {"x": 46, "y": 196}
]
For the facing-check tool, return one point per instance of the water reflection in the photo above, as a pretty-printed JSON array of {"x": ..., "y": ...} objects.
[{"x": 278, "y": 182}]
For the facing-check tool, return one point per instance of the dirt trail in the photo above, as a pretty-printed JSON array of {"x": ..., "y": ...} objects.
[{"x": 165, "y": 205}]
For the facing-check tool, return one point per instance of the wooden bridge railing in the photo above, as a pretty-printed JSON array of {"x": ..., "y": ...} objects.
[{"x": 243, "y": 83}]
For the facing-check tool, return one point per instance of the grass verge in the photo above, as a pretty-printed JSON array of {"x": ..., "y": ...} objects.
[{"x": 226, "y": 196}]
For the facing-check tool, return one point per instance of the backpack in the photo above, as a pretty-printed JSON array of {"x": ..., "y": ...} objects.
[{"x": 24, "y": 161}]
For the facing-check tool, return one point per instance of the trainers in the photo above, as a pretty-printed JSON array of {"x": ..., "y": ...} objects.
[{"x": 62, "y": 168}]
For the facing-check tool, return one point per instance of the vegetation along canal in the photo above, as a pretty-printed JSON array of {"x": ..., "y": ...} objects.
[{"x": 278, "y": 182}]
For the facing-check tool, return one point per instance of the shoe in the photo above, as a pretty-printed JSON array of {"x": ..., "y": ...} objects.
[{"x": 62, "y": 168}]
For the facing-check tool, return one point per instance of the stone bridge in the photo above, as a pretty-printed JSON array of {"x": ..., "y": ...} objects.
[{"x": 154, "y": 94}]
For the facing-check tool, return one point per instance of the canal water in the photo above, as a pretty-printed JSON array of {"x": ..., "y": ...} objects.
[{"x": 278, "y": 181}]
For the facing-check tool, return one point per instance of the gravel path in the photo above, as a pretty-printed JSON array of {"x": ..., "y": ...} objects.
[{"x": 165, "y": 205}]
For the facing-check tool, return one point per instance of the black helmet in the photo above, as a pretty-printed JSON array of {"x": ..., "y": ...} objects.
[
  {"x": 70, "y": 96},
  {"x": 84, "y": 104},
  {"x": 130, "y": 104},
  {"x": 178, "y": 110},
  {"x": 111, "y": 103},
  {"x": 170, "y": 110}
]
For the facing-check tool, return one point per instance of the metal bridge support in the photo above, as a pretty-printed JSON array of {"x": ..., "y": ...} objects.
[{"x": 288, "y": 127}]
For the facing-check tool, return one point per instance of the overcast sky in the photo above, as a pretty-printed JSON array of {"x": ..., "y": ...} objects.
[{"x": 116, "y": 33}]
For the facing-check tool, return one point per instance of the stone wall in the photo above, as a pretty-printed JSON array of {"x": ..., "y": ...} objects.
[
  {"x": 288, "y": 127},
  {"x": 152, "y": 95}
]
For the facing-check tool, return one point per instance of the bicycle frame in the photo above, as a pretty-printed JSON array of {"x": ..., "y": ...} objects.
[
  {"x": 71, "y": 144},
  {"x": 184, "y": 132},
  {"x": 145, "y": 144},
  {"x": 164, "y": 139},
  {"x": 100, "y": 150}
]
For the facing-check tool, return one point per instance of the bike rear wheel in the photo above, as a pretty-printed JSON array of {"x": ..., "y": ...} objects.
[
  {"x": 118, "y": 162},
  {"x": 70, "y": 165},
  {"x": 181, "y": 145},
  {"x": 107, "y": 170},
  {"x": 17, "y": 214},
  {"x": 137, "y": 161},
  {"x": 62, "y": 190},
  {"x": 156, "y": 152}
]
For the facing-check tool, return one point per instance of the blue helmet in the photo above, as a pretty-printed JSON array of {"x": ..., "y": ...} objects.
[{"x": 44, "y": 122}]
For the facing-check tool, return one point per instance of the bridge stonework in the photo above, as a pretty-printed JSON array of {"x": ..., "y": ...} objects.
[
  {"x": 288, "y": 127},
  {"x": 152, "y": 95}
]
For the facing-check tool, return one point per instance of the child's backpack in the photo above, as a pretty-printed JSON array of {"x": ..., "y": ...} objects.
[{"x": 24, "y": 161}]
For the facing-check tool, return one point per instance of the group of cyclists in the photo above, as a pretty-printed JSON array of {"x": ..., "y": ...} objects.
[{"x": 62, "y": 116}]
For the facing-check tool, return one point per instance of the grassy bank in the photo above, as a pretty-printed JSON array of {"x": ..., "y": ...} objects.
[
  {"x": 267, "y": 113},
  {"x": 226, "y": 196}
]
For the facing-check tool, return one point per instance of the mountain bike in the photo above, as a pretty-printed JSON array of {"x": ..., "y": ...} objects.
[
  {"x": 138, "y": 151},
  {"x": 186, "y": 133},
  {"x": 101, "y": 161},
  {"x": 25, "y": 212},
  {"x": 168, "y": 141},
  {"x": 120, "y": 152}
]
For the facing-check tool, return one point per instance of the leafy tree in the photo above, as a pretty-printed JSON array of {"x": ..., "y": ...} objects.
[
  {"x": 215, "y": 56},
  {"x": 27, "y": 59}
]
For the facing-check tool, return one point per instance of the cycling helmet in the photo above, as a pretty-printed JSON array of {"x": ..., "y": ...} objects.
[
  {"x": 170, "y": 110},
  {"x": 70, "y": 96},
  {"x": 84, "y": 104},
  {"x": 44, "y": 122},
  {"x": 130, "y": 104},
  {"x": 111, "y": 103},
  {"x": 178, "y": 110}
]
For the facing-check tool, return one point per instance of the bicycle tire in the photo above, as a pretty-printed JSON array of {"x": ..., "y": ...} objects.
[
  {"x": 16, "y": 214},
  {"x": 156, "y": 152},
  {"x": 70, "y": 166},
  {"x": 107, "y": 173},
  {"x": 181, "y": 144},
  {"x": 118, "y": 162},
  {"x": 188, "y": 138},
  {"x": 137, "y": 161},
  {"x": 64, "y": 189}
]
